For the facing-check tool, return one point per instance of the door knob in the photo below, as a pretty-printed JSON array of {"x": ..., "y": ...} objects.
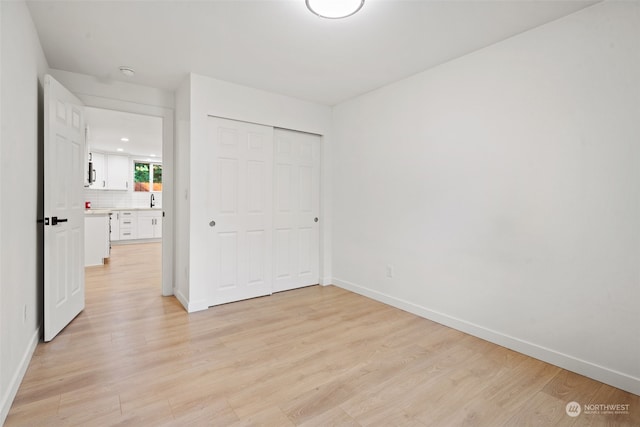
[
  {"x": 315, "y": 219},
  {"x": 212, "y": 224}
]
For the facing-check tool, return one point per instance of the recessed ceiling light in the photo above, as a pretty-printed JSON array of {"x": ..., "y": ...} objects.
[
  {"x": 152, "y": 155},
  {"x": 124, "y": 139},
  {"x": 120, "y": 149},
  {"x": 334, "y": 9},
  {"x": 127, "y": 71}
]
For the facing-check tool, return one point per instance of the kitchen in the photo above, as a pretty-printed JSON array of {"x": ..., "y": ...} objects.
[{"x": 123, "y": 196}]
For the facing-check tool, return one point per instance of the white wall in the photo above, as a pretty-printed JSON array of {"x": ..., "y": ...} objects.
[
  {"x": 183, "y": 176},
  {"x": 90, "y": 87},
  {"x": 504, "y": 189},
  {"x": 214, "y": 97},
  {"x": 3, "y": 400},
  {"x": 22, "y": 70},
  {"x": 133, "y": 98}
]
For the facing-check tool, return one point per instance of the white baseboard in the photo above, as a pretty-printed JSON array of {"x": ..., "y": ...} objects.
[
  {"x": 197, "y": 306},
  {"x": 181, "y": 298},
  {"x": 190, "y": 306},
  {"x": 570, "y": 363},
  {"x": 16, "y": 380}
]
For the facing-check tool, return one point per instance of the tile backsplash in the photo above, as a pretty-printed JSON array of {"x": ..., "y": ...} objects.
[{"x": 121, "y": 199}]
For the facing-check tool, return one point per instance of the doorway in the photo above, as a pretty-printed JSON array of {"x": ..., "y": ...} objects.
[{"x": 125, "y": 189}]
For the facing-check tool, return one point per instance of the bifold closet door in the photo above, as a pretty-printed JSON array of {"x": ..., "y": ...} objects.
[
  {"x": 240, "y": 202},
  {"x": 297, "y": 209}
]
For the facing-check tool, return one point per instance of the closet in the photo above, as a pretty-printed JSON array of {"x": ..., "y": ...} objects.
[{"x": 263, "y": 199}]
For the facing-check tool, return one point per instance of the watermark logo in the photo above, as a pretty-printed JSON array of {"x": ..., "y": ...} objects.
[
  {"x": 607, "y": 408},
  {"x": 573, "y": 409}
]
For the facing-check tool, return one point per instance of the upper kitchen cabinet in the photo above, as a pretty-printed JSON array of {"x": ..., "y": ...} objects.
[
  {"x": 110, "y": 172},
  {"x": 98, "y": 171},
  {"x": 117, "y": 172}
]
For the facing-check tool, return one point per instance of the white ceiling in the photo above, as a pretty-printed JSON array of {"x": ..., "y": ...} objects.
[
  {"x": 107, "y": 128},
  {"x": 278, "y": 45}
]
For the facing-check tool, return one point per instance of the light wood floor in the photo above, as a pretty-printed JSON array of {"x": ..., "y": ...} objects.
[{"x": 316, "y": 356}]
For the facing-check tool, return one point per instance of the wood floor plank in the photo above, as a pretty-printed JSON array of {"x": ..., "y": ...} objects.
[
  {"x": 316, "y": 356},
  {"x": 570, "y": 387},
  {"x": 606, "y": 394},
  {"x": 271, "y": 416},
  {"x": 542, "y": 409}
]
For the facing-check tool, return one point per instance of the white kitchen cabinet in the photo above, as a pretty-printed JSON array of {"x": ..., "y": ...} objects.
[
  {"x": 128, "y": 225},
  {"x": 157, "y": 227},
  {"x": 99, "y": 165},
  {"x": 87, "y": 157},
  {"x": 110, "y": 172},
  {"x": 115, "y": 226},
  {"x": 97, "y": 245},
  {"x": 118, "y": 172},
  {"x": 149, "y": 224},
  {"x": 136, "y": 224}
]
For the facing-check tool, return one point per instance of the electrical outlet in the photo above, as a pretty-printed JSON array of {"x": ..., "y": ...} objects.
[{"x": 389, "y": 270}]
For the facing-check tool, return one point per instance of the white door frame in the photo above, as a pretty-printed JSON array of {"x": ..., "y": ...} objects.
[{"x": 168, "y": 173}]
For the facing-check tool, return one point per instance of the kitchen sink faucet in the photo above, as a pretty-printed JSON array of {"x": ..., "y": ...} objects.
[{"x": 153, "y": 200}]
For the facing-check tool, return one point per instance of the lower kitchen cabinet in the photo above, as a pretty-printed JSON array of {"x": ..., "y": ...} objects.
[
  {"x": 96, "y": 239},
  {"x": 149, "y": 224},
  {"x": 136, "y": 224},
  {"x": 115, "y": 225},
  {"x": 128, "y": 225}
]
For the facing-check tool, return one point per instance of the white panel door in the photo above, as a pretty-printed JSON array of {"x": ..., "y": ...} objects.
[
  {"x": 239, "y": 199},
  {"x": 297, "y": 208},
  {"x": 64, "y": 157}
]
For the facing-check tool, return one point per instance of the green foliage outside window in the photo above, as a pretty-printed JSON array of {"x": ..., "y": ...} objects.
[
  {"x": 142, "y": 172},
  {"x": 157, "y": 177},
  {"x": 147, "y": 177}
]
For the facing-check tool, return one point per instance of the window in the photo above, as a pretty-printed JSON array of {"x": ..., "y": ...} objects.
[{"x": 147, "y": 176}]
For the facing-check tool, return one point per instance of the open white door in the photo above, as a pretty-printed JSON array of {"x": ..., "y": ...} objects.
[{"x": 64, "y": 158}]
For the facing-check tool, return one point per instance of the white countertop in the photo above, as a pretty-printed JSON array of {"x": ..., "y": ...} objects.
[
  {"x": 97, "y": 212},
  {"x": 135, "y": 209},
  {"x": 107, "y": 211}
]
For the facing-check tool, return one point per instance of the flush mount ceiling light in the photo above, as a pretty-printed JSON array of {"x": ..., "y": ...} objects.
[
  {"x": 127, "y": 71},
  {"x": 334, "y": 9}
]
